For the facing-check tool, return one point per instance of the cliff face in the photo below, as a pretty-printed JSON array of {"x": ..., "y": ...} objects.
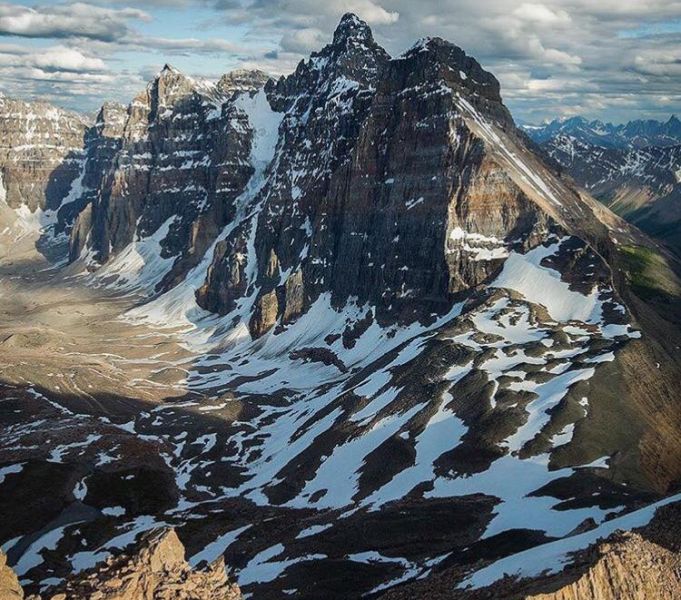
[
  {"x": 102, "y": 143},
  {"x": 181, "y": 159},
  {"x": 41, "y": 153},
  {"x": 383, "y": 188}
]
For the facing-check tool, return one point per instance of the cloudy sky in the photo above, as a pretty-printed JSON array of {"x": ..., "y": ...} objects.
[{"x": 610, "y": 59}]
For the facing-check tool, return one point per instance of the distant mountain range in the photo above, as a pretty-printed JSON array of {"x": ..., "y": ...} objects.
[
  {"x": 639, "y": 133},
  {"x": 634, "y": 169}
]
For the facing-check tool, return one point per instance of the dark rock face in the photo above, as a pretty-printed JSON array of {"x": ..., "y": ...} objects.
[
  {"x": 374, "y": 171},
  {"x": 102, "y": 142}
]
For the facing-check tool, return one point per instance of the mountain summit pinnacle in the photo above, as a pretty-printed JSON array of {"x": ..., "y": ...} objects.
[
  {"x": 351, "y": 27},
  {"x": 167, "y": 69}
]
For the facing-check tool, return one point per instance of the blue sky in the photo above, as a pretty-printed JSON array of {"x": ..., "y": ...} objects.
[{"x": 608, "y": 59}]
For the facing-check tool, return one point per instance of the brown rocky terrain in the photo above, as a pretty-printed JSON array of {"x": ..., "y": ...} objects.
[
  {"x": 156, "y": 570},
  {"x": 10, "y": 588}
]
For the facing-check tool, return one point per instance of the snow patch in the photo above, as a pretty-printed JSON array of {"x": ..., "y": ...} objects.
[
  {"x": 140, "y": 266},
  {"x": 523, "y": 273}
]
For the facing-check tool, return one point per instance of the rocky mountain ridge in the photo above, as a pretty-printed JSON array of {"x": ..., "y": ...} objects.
[
  {"x": 342, "y": 109},
  {"x": 163, "y": 178},
  {"x": 626, "y": 565}
]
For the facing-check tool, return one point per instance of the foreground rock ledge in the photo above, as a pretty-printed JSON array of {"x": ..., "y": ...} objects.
[
  {"x": 643, "y": 564},
  {"x": 158, "y": 571}
]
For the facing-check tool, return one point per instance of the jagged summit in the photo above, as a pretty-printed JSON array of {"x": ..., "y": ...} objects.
[
  {"x": 444, "y": 59},
  {"x": 353, "y": 38},
  {"x": 167, "y": 69},
  {"x": 352, "y": 29},
  {"x": 352, "y": 56}
]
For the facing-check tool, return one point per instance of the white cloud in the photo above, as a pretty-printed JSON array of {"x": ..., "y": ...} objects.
[
  {"x": 50, "y": 59},
  {"x": 372, "y": 13},
  {"x": 540, "y": 14},
  {"x": 551, "y": 56},
  {"x": 183, "y": 45},
  {"x": 67, "y": 20},
  {"x": 303, "y": 40},
  {"x": 661, "y": 62},
  {"x": 60, "y": 58}
]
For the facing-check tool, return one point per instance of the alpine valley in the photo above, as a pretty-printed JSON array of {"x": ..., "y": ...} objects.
[{"x": 351, "y": 331}]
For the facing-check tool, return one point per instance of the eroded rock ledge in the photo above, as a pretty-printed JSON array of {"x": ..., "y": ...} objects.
[{"x": 157, "y": 570}]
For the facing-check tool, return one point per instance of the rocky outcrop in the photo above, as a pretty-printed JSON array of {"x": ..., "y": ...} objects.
[
  {"x": 265, "y": 313},
  {"x": 242, "y": 80},
  {"x": 10, "y": 589},
  {"x": 157, "y": 570},
  {"x": 627, "y": 567}
]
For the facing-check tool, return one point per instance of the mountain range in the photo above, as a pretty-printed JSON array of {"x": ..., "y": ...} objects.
[
  {"x": 350, "y": 330},
  {"x": 634, "y": 169},
  {"x": 638, "y": 134}
]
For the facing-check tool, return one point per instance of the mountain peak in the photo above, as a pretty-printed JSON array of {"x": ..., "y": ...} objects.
[
  {"x": 351, "y": 27},
  {"x": 168, "y": 68}
]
